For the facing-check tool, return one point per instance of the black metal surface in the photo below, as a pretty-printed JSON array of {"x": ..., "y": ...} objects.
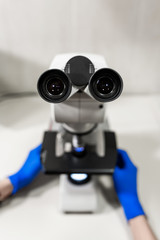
[{"x": 90, "y": 163}]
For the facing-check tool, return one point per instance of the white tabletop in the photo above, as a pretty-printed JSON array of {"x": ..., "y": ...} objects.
[{"x": 33, "y": 212}]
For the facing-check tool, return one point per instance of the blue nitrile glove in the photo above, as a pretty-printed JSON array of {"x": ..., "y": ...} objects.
[
  {"x": 125, "y": 182},
  {"x": 28, "y": 171}
]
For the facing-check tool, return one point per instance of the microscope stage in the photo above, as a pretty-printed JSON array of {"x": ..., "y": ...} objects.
[{"x": 90, "y": 163}]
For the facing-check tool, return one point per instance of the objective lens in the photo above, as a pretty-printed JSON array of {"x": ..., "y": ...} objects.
[
  {"x": 55, "y": 86},
  {"x": 104, "y": 85}
]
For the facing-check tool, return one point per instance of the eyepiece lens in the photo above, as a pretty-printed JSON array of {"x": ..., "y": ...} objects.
[
  {"x": 104, "y": 85},
  {"x": 55, "y": 86}
]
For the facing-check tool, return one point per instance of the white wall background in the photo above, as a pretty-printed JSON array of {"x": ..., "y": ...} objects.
[{"x": 126, "y": 32}]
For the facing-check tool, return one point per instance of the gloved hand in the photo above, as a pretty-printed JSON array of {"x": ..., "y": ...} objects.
[
  {"x": 28, "y": 172},
  {"x": 125, "y": 182}
]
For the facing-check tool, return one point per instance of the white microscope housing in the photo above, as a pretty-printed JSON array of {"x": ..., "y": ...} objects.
[{"x": 78, "y": 86}]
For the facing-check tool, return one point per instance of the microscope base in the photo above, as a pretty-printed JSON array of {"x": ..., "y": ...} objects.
[{"x": 81, "y": 198}]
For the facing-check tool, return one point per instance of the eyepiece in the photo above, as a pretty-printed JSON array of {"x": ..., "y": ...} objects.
[
  {"x": 54, "y": 86},
  {"x": 105, "y": 85}
]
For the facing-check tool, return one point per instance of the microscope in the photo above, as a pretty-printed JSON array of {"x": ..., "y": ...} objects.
[{"x": 79, "y": 144}]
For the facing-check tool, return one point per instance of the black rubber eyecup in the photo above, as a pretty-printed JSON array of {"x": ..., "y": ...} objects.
[
  {"x": 105, "y": 85},
  {"x": 64, "y": 88}
]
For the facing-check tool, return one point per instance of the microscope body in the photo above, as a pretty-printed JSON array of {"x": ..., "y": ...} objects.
[{"x": 78, "y": 87}]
